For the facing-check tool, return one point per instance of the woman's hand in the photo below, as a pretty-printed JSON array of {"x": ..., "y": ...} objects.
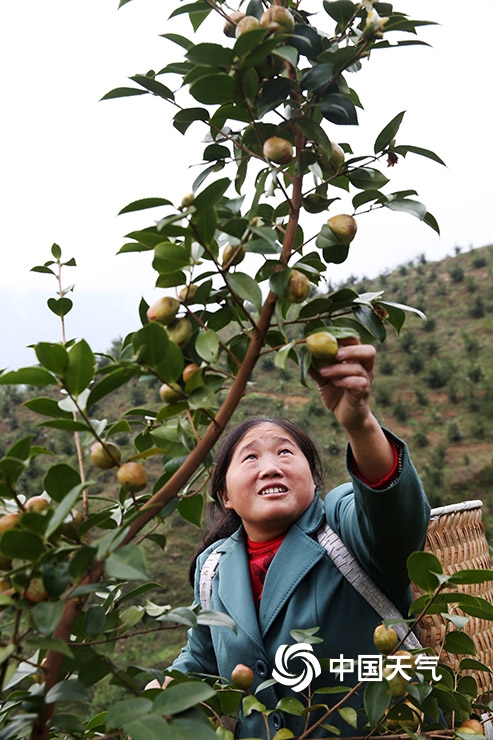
[{"x": 345, "y": 389}]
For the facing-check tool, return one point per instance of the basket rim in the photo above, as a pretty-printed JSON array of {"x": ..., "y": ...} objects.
[{"x": 439, "y": 511}]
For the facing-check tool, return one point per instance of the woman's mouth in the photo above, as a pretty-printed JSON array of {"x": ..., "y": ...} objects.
[{"x": 271, "y": 490}]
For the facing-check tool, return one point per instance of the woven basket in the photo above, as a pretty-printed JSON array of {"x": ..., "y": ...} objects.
[{"x": 456, "y": 536}]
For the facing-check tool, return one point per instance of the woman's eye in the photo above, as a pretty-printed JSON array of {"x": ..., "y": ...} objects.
[
  {"x": 250, "y": 456},
  {"x": 284, "y": 451}
]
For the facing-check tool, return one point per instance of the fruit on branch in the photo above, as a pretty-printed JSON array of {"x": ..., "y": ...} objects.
[
  {"x": 170, "y": 392},
  {"x": 409, "y": 664},
  {"x": 271, "y": 66},
  {"x": 323, "y": 348},
  {"x": 180, "y": 331},
  {"x": 385, "y": 638},
  {"x": 233, "y": 255},
  {"x": 331, "y": 163},
  {"x": 132, "y": 476},
  {"x": 6, "y": 587},
  {"x": 36, "y": 591},
  {"x": 229, "y": 28},
  {"x": 186, "y": 294},
  {"x": 298, "y": 288},
  {"x": 471, "y": 727},
  {"x": 71, "y": 524},
  {"x": 188, "y": 371},
  {"x": 403, "y": 715},
  {"x": 186, "y": 201},
  {"x": 343, "y": 227},
  {"x": 248, "y": 23},
  {"x": 396, "y": 681},
  {"x": 9, "y": 521},
  {"x": 278, "y": 20},
  {"x": 242, "y": 676},
  {"x": 163, "y": 310},
  {"x": 37, "y": 503},
  {"x": 278, "y": 150},
  {"x": 105, "y": 456}
]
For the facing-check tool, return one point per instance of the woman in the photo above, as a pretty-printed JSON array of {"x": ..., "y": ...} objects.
[{"x": 273, "y": 576}]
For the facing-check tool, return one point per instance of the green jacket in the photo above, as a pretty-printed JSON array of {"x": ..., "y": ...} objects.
[{"x": 303, "y": 589}]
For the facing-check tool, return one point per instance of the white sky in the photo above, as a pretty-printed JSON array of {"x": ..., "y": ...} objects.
[{"x": 69, "y": 163}]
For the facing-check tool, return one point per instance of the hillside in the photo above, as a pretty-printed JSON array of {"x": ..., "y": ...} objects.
[{"x": 433, "y": 387}]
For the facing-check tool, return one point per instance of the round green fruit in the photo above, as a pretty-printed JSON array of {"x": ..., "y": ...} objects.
[
  {"x": 163, "y": 310},
  {"x": 248, "y": 23},
  {"x": 186, "y": 294},
  {"x": 242, "y": 676},
  {"x": 229, "y": 28},
  {"x": 343, "y": 227},
  {"x": 396, "y": 681},
  {"x": 298, "y": 288},
  {"x": 9, "y": 521},
  {"x": 271, "y": 66},
  {"x": 187, "y": 201},
  {"x": 403, "y": 716},
  {"x": 105, "y": 456},
  {"x": 278, "y": 20},
  {"x": 233, "y": 255},
  {"x": 37, "y": 504},
  {"x": 132, "y": 476},
  {"x": 278, "y": 150},
  {"x": 471, "y": 727},
  {"x": 6, "y": 587},
  {"x": 188, "y": 371},
  {"x": 180, "y": 331},
  {"x": 385, "y": 638},
  {"x": 36, "y": 591},
  {"x": 170, "y": 392},
  {"x": 323, "y": 347},
  {"x": 332, "y": 163}
]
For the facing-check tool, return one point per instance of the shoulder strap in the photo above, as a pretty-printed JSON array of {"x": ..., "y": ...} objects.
[
  {"x": 357, "y": 576},
  {"x": 206, "y": 576}
]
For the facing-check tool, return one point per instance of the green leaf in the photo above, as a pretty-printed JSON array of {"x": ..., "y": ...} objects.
[
  {"x": 132, "y": 708},
  {"x": 407, "y": 205},
  {"x": 207, "y": 346},
  {"x": 181, "y": 697},
  {"x": 212, "y": 194},
  {"x": 314, "y": 132},
  {"x": 94, "y": 620},
  {"x": 468, "y": 575},
  {"x": 170, "y": 257},
  {"x": 127, "y": 563},
  {"x": 246, "y": 288},
  {"x": 28, "y": 376},
  {"x": 115, "y": 378},
  {"x": 184, "y": 118},
  {"x": 46, "y": 615},
  {"x": 388, "y": 133},
  {"x": 143, "y": 203},
  {"x": 64, "y": 508},
  {"x": 211, "y": 55},
  {"x": 404, "y": 149},
  {"x": 290, "y": 705},
  {"x": 60, "y": 480},
  {"x": 47, "y": 407},
  {"x": 423, "y": 569},
  {"x": 377, "y": 698},
  {"x": 68, "y": 690},
  {"x": 49, "y": 643},
  {"x": 339, "y": 109},
  {"x": 470, "y": 664},
  {"x": 215, "y": 89},
  {"x": 212, "y": 618},
  {"x": 191, "y": 508},
  {"x": 123, "y": 92},
  {"x": 54, "y": 357},
  {"x": 459, "y": 643},
  {"x": 367, "y": 178},
  {"x": 67, "y": 425},
  {"x": 349, "y": 715},
  {"x": 80, "y": 369},
  {"x": 60, "y": 306},
  {"x": 150, "y": 344},
  {"x": 21, "y": 544},
  {"x": 155, "y": 87}
]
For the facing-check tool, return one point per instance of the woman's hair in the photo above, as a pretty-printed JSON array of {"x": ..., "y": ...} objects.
[{"x": 224, "y": 522}]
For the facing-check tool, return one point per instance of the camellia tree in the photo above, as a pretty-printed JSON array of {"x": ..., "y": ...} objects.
[{"x": 243, "y": 262}]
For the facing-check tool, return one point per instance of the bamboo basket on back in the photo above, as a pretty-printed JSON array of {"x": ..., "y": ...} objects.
[{"x": 456, "y": 536}]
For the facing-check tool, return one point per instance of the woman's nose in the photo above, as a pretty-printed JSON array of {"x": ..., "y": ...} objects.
[{"x": 270, "y": 469}]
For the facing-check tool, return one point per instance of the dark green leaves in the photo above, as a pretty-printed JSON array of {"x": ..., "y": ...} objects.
[{"x": 388, "y": 133}]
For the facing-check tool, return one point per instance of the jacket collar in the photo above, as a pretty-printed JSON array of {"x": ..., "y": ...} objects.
[{"x": 284, "y": 575}]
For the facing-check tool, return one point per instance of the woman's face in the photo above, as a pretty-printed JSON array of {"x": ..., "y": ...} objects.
[{"x": 269, "y": 482}]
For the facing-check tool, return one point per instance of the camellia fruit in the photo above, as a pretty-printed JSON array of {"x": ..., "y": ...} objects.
[
  {"x": 278, "y": 150},
  {"x": 343, "y": 227},
  {"x": 163, "y": 310},
  {"x": 229, "y": 28},
  {"x": 333, "y": 163},
  {"x": 170, "y": 392},
  {"x": 187, "y": 201},
  {"x": 407, "y": 660},
  {"x": 403, "y": 716},
  {"x": 396, "y": 681},
  {"x": 271, "y": 66},
  {"x": 180, "y": 331},
  {"x": 36, "y": 591},
  {"x": 248, "y": 23},
  {"x": 471, "y": 727},
  {"x": 9, "y": 521},
  {"x": 298, "y": 287},
  {"x": 385, "y": 638},
  {"x": 242, "y": 676},
  {"x": 36, "y": 503},
  {"x": 6, "y": 587},
  {"x": 186, "y": 294},
  {"x": 278, "y": 20},
  {"x": 132, "y": 477},
  {"x": 105, "y": 456},
  {"x": 188, "y": 371},
  {"x": 323, "y": 348},
  {"x": 233, "y": 255}
]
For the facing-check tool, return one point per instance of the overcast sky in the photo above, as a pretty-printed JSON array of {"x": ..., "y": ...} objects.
[{"x": 69, "y": 163}]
